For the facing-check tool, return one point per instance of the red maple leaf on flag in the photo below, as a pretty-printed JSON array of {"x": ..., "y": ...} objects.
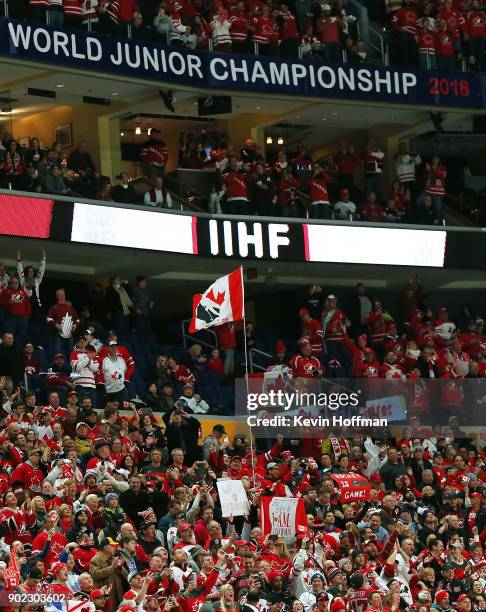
[{"x": 217, "y": 300}]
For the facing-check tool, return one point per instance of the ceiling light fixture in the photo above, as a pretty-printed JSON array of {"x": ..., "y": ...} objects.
[
  {"x": 122, "y": 133},
  {"x": 60, "y": 85},
  {"x": 280, "y": 140},
  {"x": 269, "y": 140},
  {"x": 138, "y": 130},
  {"x": 149, "y": 131},
  {"x": 115, "y": 93}
]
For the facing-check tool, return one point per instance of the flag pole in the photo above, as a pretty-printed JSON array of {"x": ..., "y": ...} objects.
[{"x": 246, "y": 370}]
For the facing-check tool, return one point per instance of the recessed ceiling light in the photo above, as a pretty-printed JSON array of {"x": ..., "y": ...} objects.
[
  {"x": 60, "y": 85},
  {"x": 138, "y": 130},
  {"x": 280, "y": 140},
  {"x": 269, "y": 140},
  {"x": 333, "y": 114},
  {"x": 122, "y": 133},
  {"x": 115, "y": 93},
  {"x": 298, "y": 117},
  {"x": 258, "y": 107},
  {"x": 324, "y": 119}
]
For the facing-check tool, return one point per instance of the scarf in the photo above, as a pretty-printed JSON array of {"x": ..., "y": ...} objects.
[{"x": 125, "y": 300}]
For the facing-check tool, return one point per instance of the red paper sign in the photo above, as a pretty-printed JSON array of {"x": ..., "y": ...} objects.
[{"x": 353, "y": 487}]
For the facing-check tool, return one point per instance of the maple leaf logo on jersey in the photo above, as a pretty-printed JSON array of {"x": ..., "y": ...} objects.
[{"x": 210, "y": 306}]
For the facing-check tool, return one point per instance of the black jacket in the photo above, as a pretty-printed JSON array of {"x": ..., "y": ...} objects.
[
  {"x": 124, "y": 196},
  {"x": 186, "y": 437},
  {"x": 11, "y": 363}
]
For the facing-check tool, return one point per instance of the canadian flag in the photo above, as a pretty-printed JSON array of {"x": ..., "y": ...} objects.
[{"x": 221, "y": 303}]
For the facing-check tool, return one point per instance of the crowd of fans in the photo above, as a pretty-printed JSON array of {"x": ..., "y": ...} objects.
[
  {"x": 119, "y": 506},
  {"x": 56, "y": 172},
  {"x": 434, "y": 34},
  {"x": 348, "y": 185},
  {"x": 427, "y": 33}
]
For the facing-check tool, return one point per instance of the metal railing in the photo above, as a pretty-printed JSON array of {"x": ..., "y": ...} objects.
[
  {"x": 196, "y": 337},
  {"x": 373, "y": 39},
  {"x": 251, "y": 361}
]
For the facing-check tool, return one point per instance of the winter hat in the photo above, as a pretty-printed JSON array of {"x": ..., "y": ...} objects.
[
  {"x": 95, "y": 594},
  {"x": 56, "y": 568},
  {"x": 338, "y": 604},
  {"x": 316, "y": 575},
  {"x": 356, "y": 581},
  {"x": 334, "y": 572},
  {"x": 440, "y": 596},
  {"x": 109, "y": 496}
]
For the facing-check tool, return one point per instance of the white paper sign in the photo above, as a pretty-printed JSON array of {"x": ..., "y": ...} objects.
[
  {"x": 233, "y": 498},
  {"x": 282, "y": 513}
]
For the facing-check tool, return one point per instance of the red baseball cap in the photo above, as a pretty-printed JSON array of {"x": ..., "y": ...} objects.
[{"x": 183, "y": 526}]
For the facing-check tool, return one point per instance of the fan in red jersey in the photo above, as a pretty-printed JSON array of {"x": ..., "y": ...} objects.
[{"x": 304, "y": 364}]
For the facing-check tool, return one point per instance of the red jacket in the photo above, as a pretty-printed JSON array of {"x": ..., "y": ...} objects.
[
  {"x": 16, "y": 302},
  {"x": 357, "y": 353},
  {"x": 236, "y": 183},
  {"x": 239, "y": 27},
  {"x": 154, "y": 153},
  {"x": 346, "y": 163},
  {"x": 378, "y": 327},
  {"x": 445, "y": 45},
  {"x": 127, "y": 7},
  {"x": 226, "y": 335},
  {"x": 31, "y": 477},
  {"x": 435, "y": 181},
  {"x": 286, "y": 194},
  {"x": 372, "y": 212},
  {"x": 455, "y": 21},
  {"x": 312, "y": 330},
  {"x": 265, "y": 30},
  {"x": 329, "y": 29},
  {"x": 288, "y": 29},
  {"x": 72, "y": 8},
  {"x": 317, "y": 186},
  {"x": 405, "y": 20},
  {"x": 59, "y": 312},
  {"x": 305, "y": 367},
  {"x": 332, "y": 325},
  {"x": 426, "y": 41},
  {"x": 475, "y": 26},
  {"x": 58, "y": 542}
]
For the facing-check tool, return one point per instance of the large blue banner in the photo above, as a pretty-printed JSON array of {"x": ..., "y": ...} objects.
[{"x": 255, "y": 74}]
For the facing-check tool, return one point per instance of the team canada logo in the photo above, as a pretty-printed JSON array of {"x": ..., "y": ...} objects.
[{"x": 210, "y": 306}]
